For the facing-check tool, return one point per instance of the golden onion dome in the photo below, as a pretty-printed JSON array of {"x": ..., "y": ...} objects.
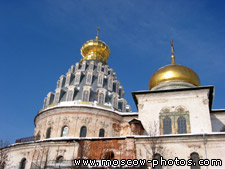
[
  {"x": 95, "y": 50},
  {"x": 174, "y": 72}
]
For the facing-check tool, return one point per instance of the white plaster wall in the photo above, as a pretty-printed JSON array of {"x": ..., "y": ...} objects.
[
  {"x": 209, "y": 146},
  {"x": 182, "y": 147},
  {"x": 34, "y": 152},
  {"x": 218, "y": 120},
  {"x": 195, "y": 101}
]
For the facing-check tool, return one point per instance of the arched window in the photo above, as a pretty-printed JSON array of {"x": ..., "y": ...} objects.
[
  {"x": 109, "y": 155},
  {"x": 83, "y": 131},
  {"x": 101, "y": 133},
  {"x": 85, "y": 96},
  {"x": 182, "y": 125},
  {"x": 157, "y": 157},
  {"x": 195, "y": 158},
  {"x": 167, "y": 125},
  {"x": 64, "y": 131},
  {"x": 59, "y": 159},
  {"x": 48, "y": 132},
  {"x": 23, "y": 163},
  {"x": 101, "y": 98}
]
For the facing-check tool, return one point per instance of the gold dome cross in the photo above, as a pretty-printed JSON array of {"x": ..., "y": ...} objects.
[
  {"x": 98, "y": 30},
  {"x": 172, "y": 51}
]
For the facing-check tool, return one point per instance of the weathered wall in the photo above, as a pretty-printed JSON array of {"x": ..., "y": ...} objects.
[
  {"x": 76, "y": 117},
  {"x": 194, "y": 101},
  {"x": 139, "y": 147},
  {"x": 123, "y": 148},
  {"x": 41, "y": 151},
  {"x": 208, "y": 147}
]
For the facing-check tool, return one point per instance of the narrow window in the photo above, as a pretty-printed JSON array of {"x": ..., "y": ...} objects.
[
  {"x": 89, "y": 78},
  {"x": 115, "y": 104},
  {"x": 68, "y": 78},
  {"x": 167, "y": 125},
  {"x": 106, "y": 69},
  {"x": 101, "y": 133},
  {"x": 182, "y": 125},
  {"x": 85, "y": 96},
  {"x": 64, "y": 131},
  {"x": 83, "y": 65},
  {"x": 100, "y": 79},
  {"x": 157, "y": 157},
  {"x": 23, "y": 163},
  {"x": 101, "y": 98},
  {"x": 117, "y": 87},
  {"x": 48, "y": 132},
  {"x": 57, "y": 97},
  {"x": 99, "y": 67},
  {"x": 91, "y": 66},
  {"x": 59, "y": 159},
  {"x": 70, "y": 95},
  {"x": 77, "y": 66},
  {"x": 110, "y": 83},
  {"x": 195, "y": 158},
  {"x": 77, "y": 78},
  {"x": 83, "y": 131}
]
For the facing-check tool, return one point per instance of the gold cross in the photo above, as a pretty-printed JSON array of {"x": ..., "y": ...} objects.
[
  {"x": 98, "y": 30},
  {"x": 172, "y": 48},
  {"x": 172, "y": 51}
]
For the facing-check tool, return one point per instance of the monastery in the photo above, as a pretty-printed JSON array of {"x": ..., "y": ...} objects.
[{"x": 88, "y": 118}]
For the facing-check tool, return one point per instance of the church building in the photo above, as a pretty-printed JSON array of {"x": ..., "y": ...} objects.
[{"x": 88, "y": 118}]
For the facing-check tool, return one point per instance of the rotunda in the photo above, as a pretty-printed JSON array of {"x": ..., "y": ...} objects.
[{"x": 88, "y": 92}]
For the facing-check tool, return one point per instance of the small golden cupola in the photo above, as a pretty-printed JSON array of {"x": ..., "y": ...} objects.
[
  {"x": 95, "y": 50},
  {"x": 173, "y": 76}
]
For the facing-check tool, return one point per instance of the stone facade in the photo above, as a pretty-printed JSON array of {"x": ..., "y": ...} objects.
[
  {"x": 75, "y": 117},
  {"x": 45, "y": 153},
  {"x": 195, "y": 101},
  {"x": 127, "y": 135},
  {"x": 87, "y": 117}
]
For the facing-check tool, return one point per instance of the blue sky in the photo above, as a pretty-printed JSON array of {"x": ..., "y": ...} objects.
[{"x": 40, "y": 40}]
